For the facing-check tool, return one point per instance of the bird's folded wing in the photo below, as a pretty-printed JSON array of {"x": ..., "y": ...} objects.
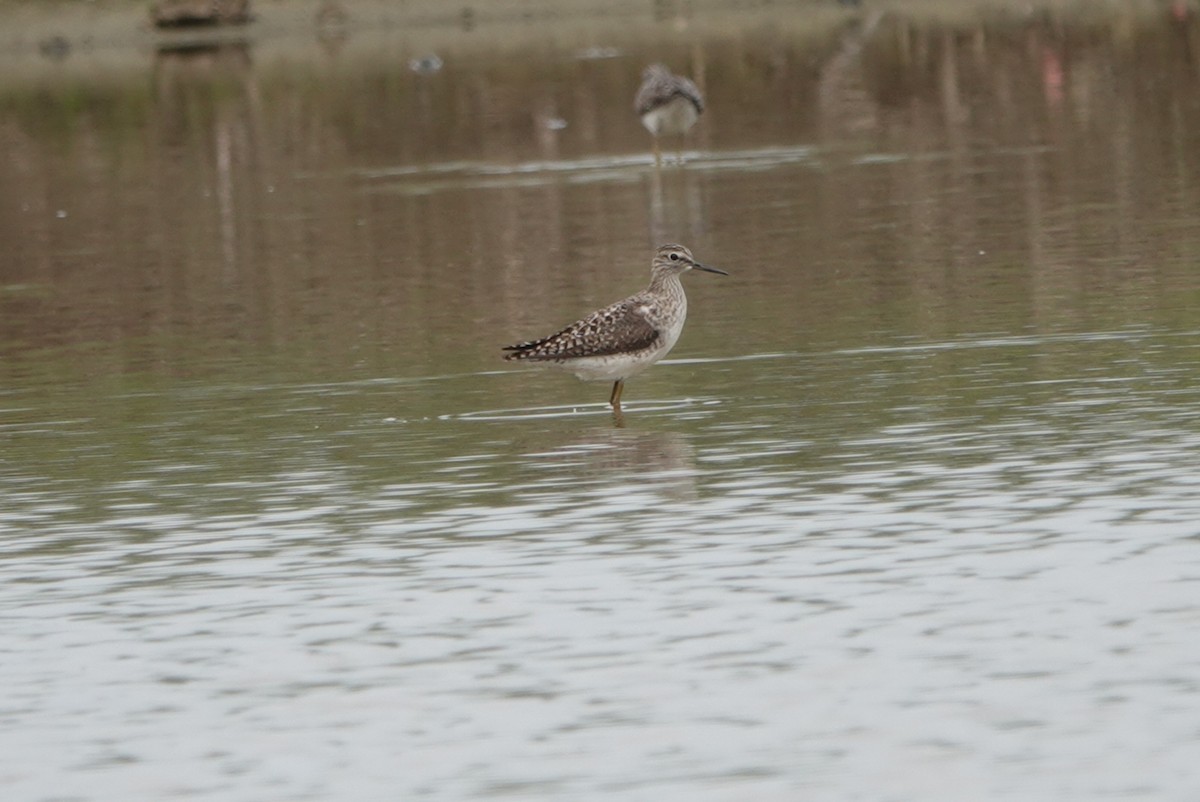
[
  {"x": 621, "y": 328},
  {"x": 661, "y": 91}
]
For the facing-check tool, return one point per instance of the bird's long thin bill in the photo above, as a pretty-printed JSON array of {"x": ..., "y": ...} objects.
[{"x": 708, "y": 269}]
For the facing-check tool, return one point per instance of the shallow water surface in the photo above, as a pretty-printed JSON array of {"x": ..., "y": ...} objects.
[{"x": 909, "y": 513}]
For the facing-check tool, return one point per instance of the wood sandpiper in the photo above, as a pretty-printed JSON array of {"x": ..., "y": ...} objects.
[
  {"x": 668, "y": 104},
  {"x": 625, "y": 338}
]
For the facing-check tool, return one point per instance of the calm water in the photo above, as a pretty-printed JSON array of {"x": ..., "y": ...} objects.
[{"x": 911, "y": 513}]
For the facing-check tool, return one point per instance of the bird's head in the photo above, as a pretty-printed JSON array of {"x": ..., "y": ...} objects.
[{"x": 676, "y": 259}]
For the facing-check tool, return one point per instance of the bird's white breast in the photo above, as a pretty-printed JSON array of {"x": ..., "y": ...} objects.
[{"x": 673, "y": 118}]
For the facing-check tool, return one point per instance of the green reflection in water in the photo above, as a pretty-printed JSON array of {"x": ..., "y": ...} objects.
[{"x": 245, "y": 260}]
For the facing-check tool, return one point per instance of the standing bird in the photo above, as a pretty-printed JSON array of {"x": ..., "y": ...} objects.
[
  {"x": 668, "y": 104},
  {"x": 625, "y": 338}
]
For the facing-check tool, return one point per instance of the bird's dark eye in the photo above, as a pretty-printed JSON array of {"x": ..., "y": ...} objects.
[{"x": 674, "y": 257}]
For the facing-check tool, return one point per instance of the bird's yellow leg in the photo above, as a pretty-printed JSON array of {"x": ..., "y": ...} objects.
[{"x": 615, "y": 398}]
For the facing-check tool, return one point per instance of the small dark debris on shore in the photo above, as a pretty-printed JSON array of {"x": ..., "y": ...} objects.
[{"x": 188, "y": 13}]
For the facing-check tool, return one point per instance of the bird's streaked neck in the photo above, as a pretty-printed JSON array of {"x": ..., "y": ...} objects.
[{"x": 666, "y": 281}]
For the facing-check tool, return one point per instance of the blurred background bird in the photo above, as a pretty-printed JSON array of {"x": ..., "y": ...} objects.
[{"x": 668, "y": 104}]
